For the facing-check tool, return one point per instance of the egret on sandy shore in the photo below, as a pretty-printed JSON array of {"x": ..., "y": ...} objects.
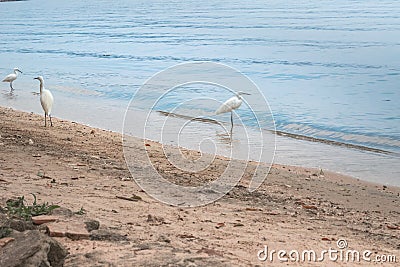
[
  {"x": 231, "y": 104},
  {"x": 12, "y": 77},
  {"x": 46, "y": 99}
]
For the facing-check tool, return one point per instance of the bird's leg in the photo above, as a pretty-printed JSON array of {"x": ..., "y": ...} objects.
[
  {"x": 51, "y": 123},
  {"x": 45, "y": 123},
  {"x": 231, "y": 124},
  {"x": 12, "y": 89}
]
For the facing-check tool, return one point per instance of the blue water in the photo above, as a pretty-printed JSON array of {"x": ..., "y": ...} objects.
[{"x": 329, "y": 69}]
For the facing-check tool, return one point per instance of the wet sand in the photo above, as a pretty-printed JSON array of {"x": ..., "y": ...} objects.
[{"x": 294, "y": 209}]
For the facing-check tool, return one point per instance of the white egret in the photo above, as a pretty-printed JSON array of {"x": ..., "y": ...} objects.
[
  {"x": 231, "y": 104},
  {"x": 12, "y": 77},
  {"x": 46, "y": 99}
]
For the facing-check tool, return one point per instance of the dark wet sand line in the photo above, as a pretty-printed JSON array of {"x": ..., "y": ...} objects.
[{"x": 290, "y": 135}]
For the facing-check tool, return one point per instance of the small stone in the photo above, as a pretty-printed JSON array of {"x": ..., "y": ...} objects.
[
  {"x": 21, "y": 225},
  {"x": 74, "y": 230},
  {"x": 41, "y": 219},
  {"x": 92, "y": 225},
  {"x": 4, "y": 241},
  {"x": 105, "y": 235},
  {"x": 61, "y": 211},
  {"x": 54, "y": 231},
  {"x": 30, "y": 142},
  {"x": 393, "y": 227},
  {"x": 220, "y": 225}
]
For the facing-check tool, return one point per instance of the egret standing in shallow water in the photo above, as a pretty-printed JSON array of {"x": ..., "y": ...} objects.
[
  {"x": 12, "y": 77},
  {"x": 46, "y": 99},
  {"x": 231, "y": 104}
]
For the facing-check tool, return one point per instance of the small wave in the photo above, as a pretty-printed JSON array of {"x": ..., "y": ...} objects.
[{"x": 188, "y": 59}]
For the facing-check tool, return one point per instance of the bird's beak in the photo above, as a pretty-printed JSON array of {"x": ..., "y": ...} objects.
[
  {"x": 37, "y": 78},
  {"x": 245, "y": 93},
  {"x": 20, "y": 71}
]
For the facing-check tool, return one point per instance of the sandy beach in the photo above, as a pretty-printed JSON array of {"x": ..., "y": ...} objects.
[{"x": 294, "y": 209}]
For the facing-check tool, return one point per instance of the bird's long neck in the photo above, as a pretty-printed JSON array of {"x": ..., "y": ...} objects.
[
  {"x": 41, "y": 87},
  {"x": 16, "y": 72},
  {"x": 239, "y": 97}
]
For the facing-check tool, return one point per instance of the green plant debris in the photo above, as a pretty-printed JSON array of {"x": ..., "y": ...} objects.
[
  {"x": 82, "y": 211},
  {"x": 18, "y": 208},
  {"x": 4, "y": 232}
]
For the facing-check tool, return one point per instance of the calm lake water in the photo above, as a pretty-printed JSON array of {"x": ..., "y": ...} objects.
[{"x": 329, "y": 70}]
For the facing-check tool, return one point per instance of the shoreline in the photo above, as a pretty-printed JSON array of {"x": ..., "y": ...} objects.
[
  {"x": 290, "y": 151},
  {"x": 295, "y": 208}
]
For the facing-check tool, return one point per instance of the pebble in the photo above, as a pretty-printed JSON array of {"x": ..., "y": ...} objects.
[
  {"x": 74, "y": 230},
  {"x": 41, "y": 219},
  {"x": 4, "y": 241}
]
